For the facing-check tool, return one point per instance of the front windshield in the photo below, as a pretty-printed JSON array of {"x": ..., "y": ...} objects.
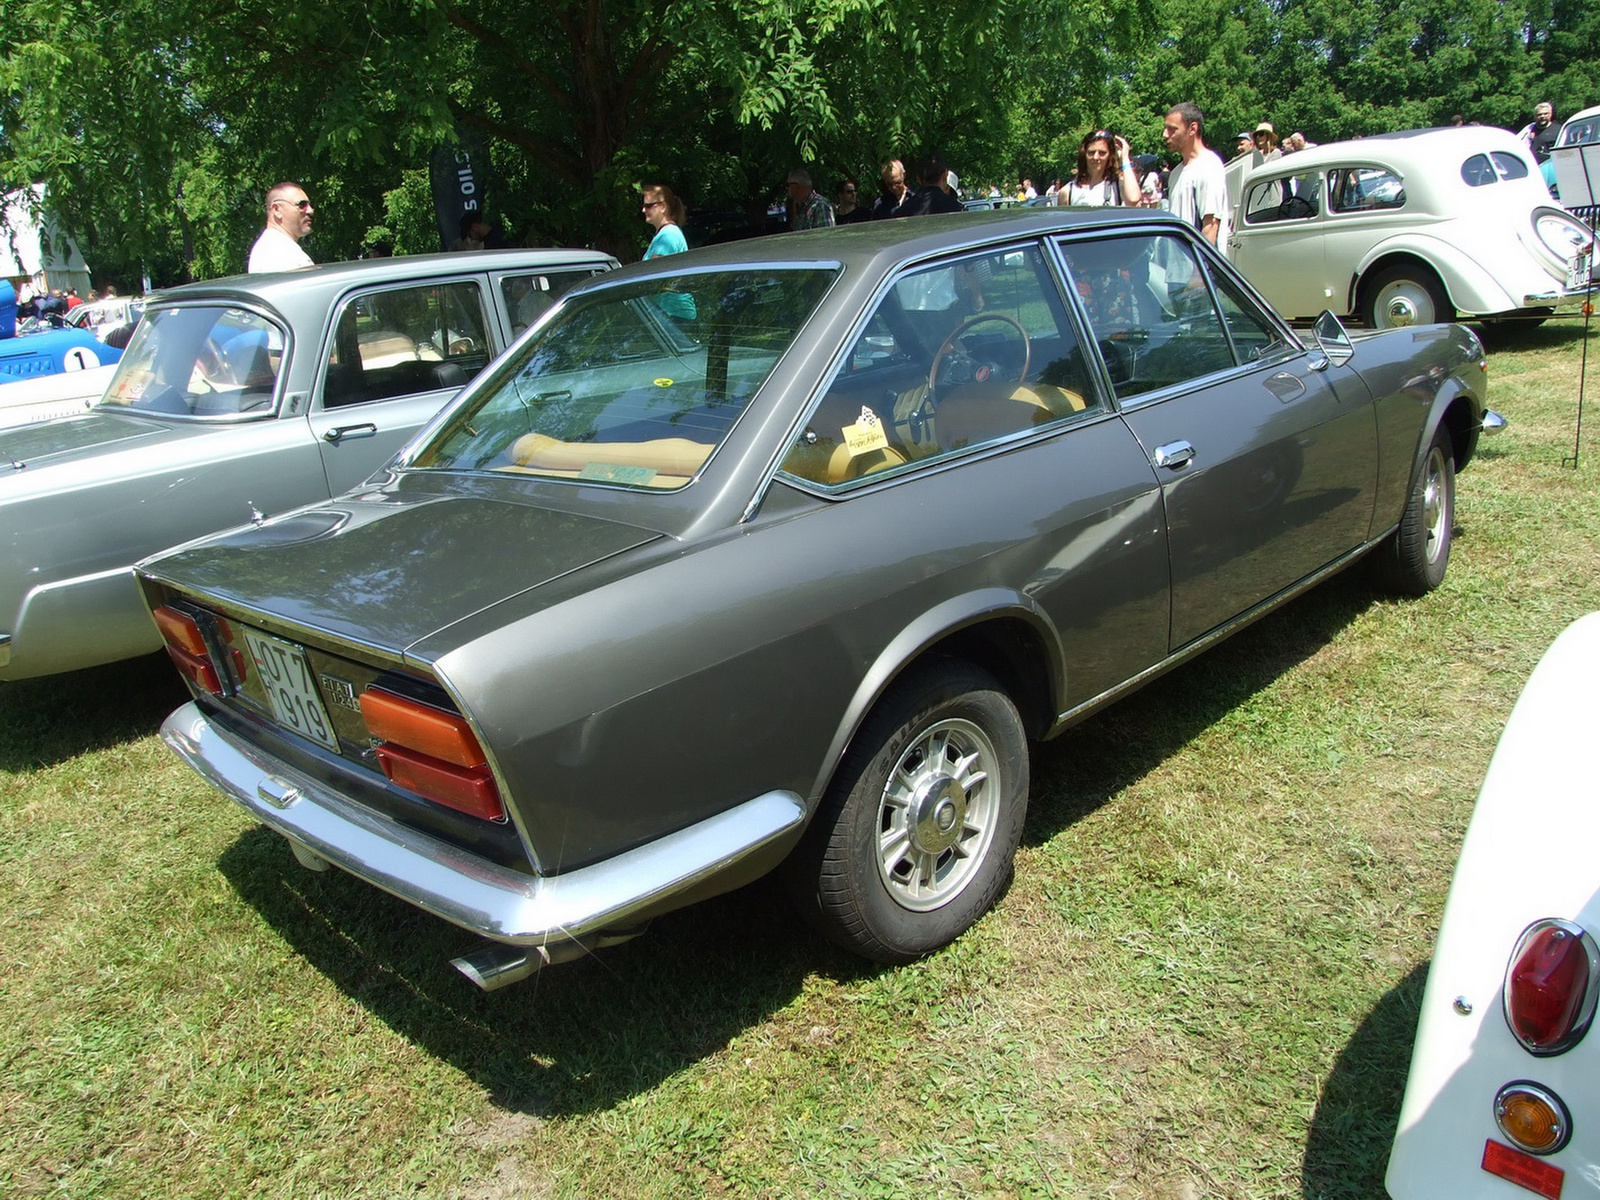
[
  {"x": 633, "y": 385},
  {"x": 200, "y": 360}
]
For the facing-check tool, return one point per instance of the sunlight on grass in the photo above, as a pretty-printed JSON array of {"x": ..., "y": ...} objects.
[{"x": 1203, "y": 982}]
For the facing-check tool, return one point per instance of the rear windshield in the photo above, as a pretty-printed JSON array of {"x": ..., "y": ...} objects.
[
  {"x": 200, "y": 361},
  {"x": 1483, "y": 169},
  {"x": 635, "y": 385}
]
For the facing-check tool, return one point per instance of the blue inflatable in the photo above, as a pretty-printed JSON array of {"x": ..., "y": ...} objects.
[{"x": 51, "y": 352}]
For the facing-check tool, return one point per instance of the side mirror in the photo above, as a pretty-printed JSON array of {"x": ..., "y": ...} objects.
[{"x": 1333, "y": 343}]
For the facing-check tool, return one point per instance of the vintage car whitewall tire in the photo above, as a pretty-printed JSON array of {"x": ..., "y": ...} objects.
[
  {"x": 1415, "y": 557},
  {"x": 917, "y": 834},
  {"x": 1402, "y": 296}
]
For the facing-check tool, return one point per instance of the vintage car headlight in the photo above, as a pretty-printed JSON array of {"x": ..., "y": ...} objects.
[
  {"x": 1551, "y": 986},
  {"x": 1560, "y": 234}
]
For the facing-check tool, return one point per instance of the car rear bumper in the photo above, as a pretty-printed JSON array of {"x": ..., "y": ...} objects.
[{"x": 717, "y": 854}]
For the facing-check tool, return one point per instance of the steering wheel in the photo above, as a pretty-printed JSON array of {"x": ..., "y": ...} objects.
[
  {"x": 961, "y": 330},
  {"x": 1296, "y": 206}
]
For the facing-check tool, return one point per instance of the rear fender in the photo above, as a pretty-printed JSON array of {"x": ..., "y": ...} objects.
[{"x": 924, "y": 632}]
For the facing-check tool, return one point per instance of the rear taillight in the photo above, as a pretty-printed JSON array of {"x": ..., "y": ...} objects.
[
  {"x": 432, "y": 753},
  {"x": 1551, "y": 986},
  {"x": 187, "y": 646}
]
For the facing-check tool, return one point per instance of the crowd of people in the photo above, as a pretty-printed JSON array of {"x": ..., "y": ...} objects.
[{"x": 1107, "y": 173}]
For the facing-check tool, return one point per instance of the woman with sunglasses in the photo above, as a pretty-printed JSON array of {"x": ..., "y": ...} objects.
[
  {"x": 664, "y": 213},
  {"x": 1106, "y": 175}
]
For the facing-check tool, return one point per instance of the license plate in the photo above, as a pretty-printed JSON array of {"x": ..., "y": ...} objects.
[
  {"x": 291, "y": 687},
  {"x": 1578, "y": 271}
]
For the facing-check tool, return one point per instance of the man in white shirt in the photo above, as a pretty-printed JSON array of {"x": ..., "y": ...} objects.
[
  {"x": 288, "y": 220},
  {"x": 1197, "y": 189}
]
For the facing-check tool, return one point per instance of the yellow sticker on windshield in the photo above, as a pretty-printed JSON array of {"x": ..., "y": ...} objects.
[
  {"x": 663, "y": 383},
  {"x": 866, "y": 435}
]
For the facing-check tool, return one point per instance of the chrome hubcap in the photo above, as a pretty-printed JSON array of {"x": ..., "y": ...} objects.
[
  {"x": 938, "y": 813},
  {"x": 1403, "y": 303}
]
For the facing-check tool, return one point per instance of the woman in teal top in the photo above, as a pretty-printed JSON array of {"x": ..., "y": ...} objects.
[{"x": 664, "y": 212}]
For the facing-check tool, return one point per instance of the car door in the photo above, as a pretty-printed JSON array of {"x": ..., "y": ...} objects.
[
  {"x": 394, "y": 356},
  {"x": 1276, "y": 244},
  {"x": 1267, "y": 466},
  {"x": 979, "y": 452}
]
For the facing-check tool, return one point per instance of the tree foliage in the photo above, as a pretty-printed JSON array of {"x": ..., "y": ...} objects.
[{"x": 159, "y": 124}]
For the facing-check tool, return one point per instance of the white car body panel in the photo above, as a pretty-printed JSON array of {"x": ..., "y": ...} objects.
[
  {"x": 1479, "y": 240},
  {"x": 60, "y": 395},
  {"x": 1529, "y": 854}
]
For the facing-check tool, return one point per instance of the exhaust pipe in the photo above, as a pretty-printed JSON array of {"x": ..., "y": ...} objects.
[{"x": 496, "y": 966}]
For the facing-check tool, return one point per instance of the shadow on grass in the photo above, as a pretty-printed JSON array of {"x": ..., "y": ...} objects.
[
  {"x": 577, "y": 1038},
  {"x": 1347, "y": 1150},
  {"x": 50, "y": 720},
  {"x": 1083, "y": 768},
  {"x": 583, "y": 1036}
]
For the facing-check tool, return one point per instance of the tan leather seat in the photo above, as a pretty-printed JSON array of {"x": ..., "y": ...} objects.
[
  {"x": 673, "y": 460},
  {"x": 975, "y": 413}
]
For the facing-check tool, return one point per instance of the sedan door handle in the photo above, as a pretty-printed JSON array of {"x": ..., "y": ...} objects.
[
  {"x": 341, "y": 432},
  {"x": 1174, "y": 455}
]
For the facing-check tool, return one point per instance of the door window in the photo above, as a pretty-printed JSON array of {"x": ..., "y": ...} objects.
[
  {"x": 405, "y": 341},
  {"x": 957, "y": 356},
  {"x": 1151, "y": 312}
]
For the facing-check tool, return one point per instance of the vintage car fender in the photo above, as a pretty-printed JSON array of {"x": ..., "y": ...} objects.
[
  {"x": 925, "y": 631},
  {"x": 1528, "y": 855},
  {"x": 1472, "y": 289}
]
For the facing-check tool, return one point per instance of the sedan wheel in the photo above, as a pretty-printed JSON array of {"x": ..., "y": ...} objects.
[
  {"x": 915, "y": 838},
  {"x": 1400, "y": 297},
  {"x": 1414, "y": 559}
]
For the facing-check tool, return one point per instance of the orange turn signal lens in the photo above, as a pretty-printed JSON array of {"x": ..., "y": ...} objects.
[
  {"x": 186, "y": 646},
  {"x": 1532, "y": 1117},
  {"x": 421, "y": 727},
  {"x": 181, "y": 630}
]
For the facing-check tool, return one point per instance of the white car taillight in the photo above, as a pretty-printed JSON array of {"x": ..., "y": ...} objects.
[{"x": 1551, "y": 986}]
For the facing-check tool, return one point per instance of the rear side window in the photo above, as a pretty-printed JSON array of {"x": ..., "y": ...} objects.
[
  {"x": 528, "y": 296},
  {"x": 1365, "y": 189}
]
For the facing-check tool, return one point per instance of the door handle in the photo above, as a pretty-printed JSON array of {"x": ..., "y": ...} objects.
[
  {"x": 342, "y": 432},
  {"x": 1174, "y": 455}
]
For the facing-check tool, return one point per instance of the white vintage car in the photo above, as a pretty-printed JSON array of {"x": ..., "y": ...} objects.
[
  {"x": 1408, "y": 229},
  {"x": 1503, "y": 1099},
  {"x": 1576, "y": 156}
]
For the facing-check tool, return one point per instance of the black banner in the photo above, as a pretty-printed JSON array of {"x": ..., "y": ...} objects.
[{"x": 460, "y": 178}]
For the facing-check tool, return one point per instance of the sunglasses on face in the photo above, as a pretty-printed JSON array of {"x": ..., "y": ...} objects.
[{"x": 302, "y": 205}]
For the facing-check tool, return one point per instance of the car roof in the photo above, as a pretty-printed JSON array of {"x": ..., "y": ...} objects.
[
  {"x": 331, "y": 278},
  {"x": 870, "y": 247},
  {"x": 1414, "y": 147}
]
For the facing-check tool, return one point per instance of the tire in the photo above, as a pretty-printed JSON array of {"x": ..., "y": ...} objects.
[
  {"x": 1413, "y": 561},
  {"x": 1402, "y": 296},
  {"x": 916, "y": 836}
]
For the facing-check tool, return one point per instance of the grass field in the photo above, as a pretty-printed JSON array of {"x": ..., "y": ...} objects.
[{"x": 1202, "y": 984}]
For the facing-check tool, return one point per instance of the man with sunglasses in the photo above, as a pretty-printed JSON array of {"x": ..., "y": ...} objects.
[{"x": 288, "y": 220}]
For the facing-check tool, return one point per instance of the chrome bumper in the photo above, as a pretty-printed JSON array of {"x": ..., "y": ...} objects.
[
  {"x": 1493, "y": 422},
  {"x": 488, "y": 899}
]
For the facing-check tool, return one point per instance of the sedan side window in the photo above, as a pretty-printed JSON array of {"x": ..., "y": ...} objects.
[
  {"x": 1363, "y": 189},
  {"x": 1294, "y": 198},
  {"x": 528, "y": 296},
  {"x": 957, "y": 356},
  {"x": 406, "y": 341},
  {"x": 1150, "y": 310}
]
